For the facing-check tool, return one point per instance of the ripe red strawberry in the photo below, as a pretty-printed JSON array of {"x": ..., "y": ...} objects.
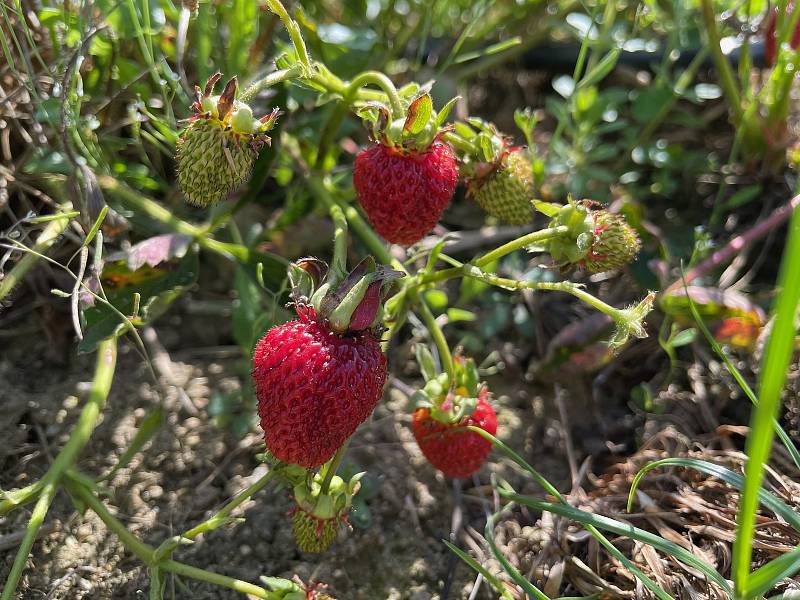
[
  {"x": 455, "y": 451},
  {"x": 318, "y": 377},
  {"x": 314, "y": 387},
  {"x": 406, "y": 179},
  {"x": 405, "y": 192}
]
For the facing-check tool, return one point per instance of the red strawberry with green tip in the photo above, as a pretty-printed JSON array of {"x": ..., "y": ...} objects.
[{"x": 444, "y": 412}]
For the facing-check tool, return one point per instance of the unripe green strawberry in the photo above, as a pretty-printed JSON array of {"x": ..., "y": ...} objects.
[
  {"x": 312, "y": 533},
  {"x": 614, "y": 245},
  {"x": 506, "y": 190},
  {"x": 319, "y": 515},
  {"x": 597, "y": 240},
  {"x": 217, "y": 150}
]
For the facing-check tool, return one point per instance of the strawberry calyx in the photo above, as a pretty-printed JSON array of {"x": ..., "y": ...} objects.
[
  {"x": 449, "y": 402},
  {"x": 231, "y": 115},
  {"x": 324, "y": 506},
  {"x": 410, "y": 134},
  {"x": 352, "y": 303},
  {"x": 484, "y": 149}
]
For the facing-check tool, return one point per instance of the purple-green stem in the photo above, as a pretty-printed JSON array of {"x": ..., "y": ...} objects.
[{"x": 101, "y": 384}]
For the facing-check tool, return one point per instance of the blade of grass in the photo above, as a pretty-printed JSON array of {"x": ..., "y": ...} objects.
[
  {"x": 623, "y": 529},
  {"x": 550, "y": 488},
  {"x": 777, "y": 355},
  {"x": 765, "y": 578},
  {"x": 475, "y": 565},
  {"x": 769, "y": 500},
  {"x": 745, "y": 387},
  {"x": 530, "y": 589}
]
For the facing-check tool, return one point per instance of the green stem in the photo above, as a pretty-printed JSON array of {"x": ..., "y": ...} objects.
[
  {"x": 438, "y": 338},
  {"x": 726, "y": 77},
  {"x": 276, "y": 77},
  {"x": 521, "y": 242},
  {"x": 237, "y": 585},
  {"x": 339, "y": 262},
  {"x": 146, "y": 553},
  {"x": 46, "y": 239},
  {"x": 101, "y": 384},
  {"x": 220, "y": 517},
  {"x": 375, "y": 245},
  {"x": 382, "y": 81},
  {"x": 135, "y": 200},
  {"x": 293, "y": 30},
  {"x": 32, "y": 530},
  {"x": 332, "y": 466},
  {"x": 15, "y": 498}
]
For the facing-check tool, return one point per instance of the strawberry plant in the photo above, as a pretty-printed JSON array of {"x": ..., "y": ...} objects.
[{"x": 354, "y": 167}]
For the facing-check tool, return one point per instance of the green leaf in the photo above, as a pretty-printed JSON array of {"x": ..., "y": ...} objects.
[
  {"x": 459, "y": 314},
  {"x": 683, "y": 338},
  {"x": 770, "y": 501},
  {"x": 600, "y": 70},
  {"x": 437, "y": 300},
  {"x": 775, "y": 366},
  {"x": 766, "y": 577},
  {"x": 425, "y": 361},
  {"x": 418, "y": 115}
]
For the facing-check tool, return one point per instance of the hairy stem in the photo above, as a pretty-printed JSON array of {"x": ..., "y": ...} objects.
[
  {"x": 293, "y": 30},
  {"x": 276, "y": 77},
  {"x": 332, "y": 466},
  {"x": 521, "y": 242},
  {"x": 147, "y": 553},
  {"x": 382, "y": 81},
  {"x": 220, "y": 517}
]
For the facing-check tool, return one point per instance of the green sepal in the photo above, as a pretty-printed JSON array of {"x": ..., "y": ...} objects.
[{"x": 426, "y": 362}]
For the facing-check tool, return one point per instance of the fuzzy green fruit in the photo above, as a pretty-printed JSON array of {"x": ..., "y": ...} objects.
[
  {"x": 220, "y": 145},
  {"x": 212, "y": 163},
  {"x": 312, "y": 533},
  {"x": 614, "y": 245},
  {"x": 507, "y": 190}
]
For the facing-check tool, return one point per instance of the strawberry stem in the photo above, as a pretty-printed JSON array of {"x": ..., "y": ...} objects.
[
  {"x": 101, "y": 384},
  {"x": 339, "y": 262},
  {"x": 293, "y": 30},
  {"x": 445, "y": 355},
  {"x": 146, "y": 553},
  {"x": 521, "y": 242},
  {"x": 221, "y": 516},
  {"x": 273, "y": 78},
  {"x": 382, "y": 81},
  {"x": 331, "y": 467}
]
